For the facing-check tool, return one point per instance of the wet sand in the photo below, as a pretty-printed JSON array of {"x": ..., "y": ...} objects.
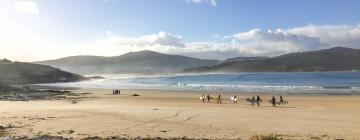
[{"x": 171, "y": 114}]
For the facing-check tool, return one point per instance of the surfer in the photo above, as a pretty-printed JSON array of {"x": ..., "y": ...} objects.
[
  {"x": 273, "y": 101},
  {"x": 235, "y": 99},
  {"x": 208, "y": 98},
  {"x": 116, "y": 91},
  {"x": 281, "y": 100},
  {"x": 258, "y": 100},
  {"x": 219, "y": 99},
  {"x": 203, "y": 98},
  {"x": 253, "y": 100}
]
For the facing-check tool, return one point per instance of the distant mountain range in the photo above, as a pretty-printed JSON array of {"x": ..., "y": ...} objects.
[
  {"x": 133, "y": 62},
  {"x": 27, "y": 73},
  {"x": 334, "y": 59}
]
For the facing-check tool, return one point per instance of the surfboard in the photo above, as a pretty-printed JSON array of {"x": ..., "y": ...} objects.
[
  {"x": 233, "y": 98},
  {"x": 250, "y": 100},
  {"x": 205, "y": 97}
]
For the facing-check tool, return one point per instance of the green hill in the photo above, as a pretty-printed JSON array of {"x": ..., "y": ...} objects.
[
  {"x": 27, "y": 73},
  {"x": 334, "y": 59}
]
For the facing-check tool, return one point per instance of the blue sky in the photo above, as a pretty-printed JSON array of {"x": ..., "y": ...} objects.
[
  {"x": 197, "y": 21},
  {"x": 200, "y": 28}
]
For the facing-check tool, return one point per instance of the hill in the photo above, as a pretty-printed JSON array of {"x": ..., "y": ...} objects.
[
  {"x": 27, "y": 73},
  {"x": 133, "y": 62},
  {"x": 333, "y": 59},
  {"x": 237, "y": 59}
]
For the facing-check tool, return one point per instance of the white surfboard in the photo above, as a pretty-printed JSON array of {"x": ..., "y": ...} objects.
[{"x": 233, "y": 98}]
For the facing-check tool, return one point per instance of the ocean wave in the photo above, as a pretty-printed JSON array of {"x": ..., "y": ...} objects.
[
  {"x": 252, "y": 82},
  {"x": 250, "y": 86}
]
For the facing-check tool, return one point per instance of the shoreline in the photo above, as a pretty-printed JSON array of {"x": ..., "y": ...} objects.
[
  {"x": 284, "y": 83},
  {"x": 288, "y": 93}
]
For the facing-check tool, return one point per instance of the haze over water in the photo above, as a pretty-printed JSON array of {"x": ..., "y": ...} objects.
[{"x": 339, "y": 82}]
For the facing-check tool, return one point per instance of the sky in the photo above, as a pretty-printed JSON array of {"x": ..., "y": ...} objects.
[{"x": 33, "y": 30}]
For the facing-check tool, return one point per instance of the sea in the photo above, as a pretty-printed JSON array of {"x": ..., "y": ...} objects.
[{"x": 264, "y": 82}]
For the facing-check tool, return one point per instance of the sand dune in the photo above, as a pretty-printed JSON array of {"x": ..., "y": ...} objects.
[{"x": 178, "y": 114}]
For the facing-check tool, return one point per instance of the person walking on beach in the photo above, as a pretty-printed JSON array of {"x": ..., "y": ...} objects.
[
  {"x": 235, "y": 99},
  {"x": 203, "y": 98},
  {"x": 258, "y": 100},
  {"x": 208, "y": 98},
  {"x": 281, "y": 100},
  {"x": 273, "y": 101},
  {"x": 253, "y": 100},
  {"x": 219, "y": 99}
]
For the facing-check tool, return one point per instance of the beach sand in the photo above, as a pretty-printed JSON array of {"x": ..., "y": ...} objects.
[{"x": 171, "y": 114}]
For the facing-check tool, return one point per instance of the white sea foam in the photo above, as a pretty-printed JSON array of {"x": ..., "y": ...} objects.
[{"x": 247, "y": 82}]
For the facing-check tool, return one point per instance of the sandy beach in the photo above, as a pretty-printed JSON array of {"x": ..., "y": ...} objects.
[{"x": 170, "y": 114}]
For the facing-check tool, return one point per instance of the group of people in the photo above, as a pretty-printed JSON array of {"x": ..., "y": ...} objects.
[
  {"x": 256, "y": 100},
  {"x": 116, "y": 91},
  {"x": 273, "y": 101},
  {"x": 252, "y": 100},
  {"x": 207, "y": 98}
]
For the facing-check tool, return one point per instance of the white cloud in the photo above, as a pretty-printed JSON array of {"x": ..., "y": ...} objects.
[
  {"x": 174, "y": 44},
  {"x": 211, "y": 2},
  {"x": 26, "y": 7},
  {"x": 280, "y": 40},
  {"x": 158, "y": 39},
  {"x": 307, "y": 38},
  {"x": 255, "y": 42},
  {"x": 335, "y": 35}
]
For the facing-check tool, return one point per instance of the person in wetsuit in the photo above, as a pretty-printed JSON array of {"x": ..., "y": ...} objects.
[
  {"x": 219, "y": 99},
  {"x": 258, "y": 100},
  {"x": 235, "y": 100},
  {"x": 253, "y": 100},
  {"x": 281, "y": 100},
  {"x": 203, "y": 98},
  {"x": 273, "y": 101},
  {"x": 208, "y": 98}
]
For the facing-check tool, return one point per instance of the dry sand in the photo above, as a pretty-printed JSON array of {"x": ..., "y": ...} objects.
[{"x": 178, "y": 114}]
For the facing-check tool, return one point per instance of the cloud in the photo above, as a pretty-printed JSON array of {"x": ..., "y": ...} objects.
[
  {"x": 306, "y": 38},
  {"x": 158, "y": 39},
  {"x": 174, "y": 44},
  {"x": 254, "y": 42},
  {"x": 280, "y": 40},
  {"x": 26, "y": 7},
  {"x": 211, "y": 2},
  {"x": 334, "y": 35}
]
